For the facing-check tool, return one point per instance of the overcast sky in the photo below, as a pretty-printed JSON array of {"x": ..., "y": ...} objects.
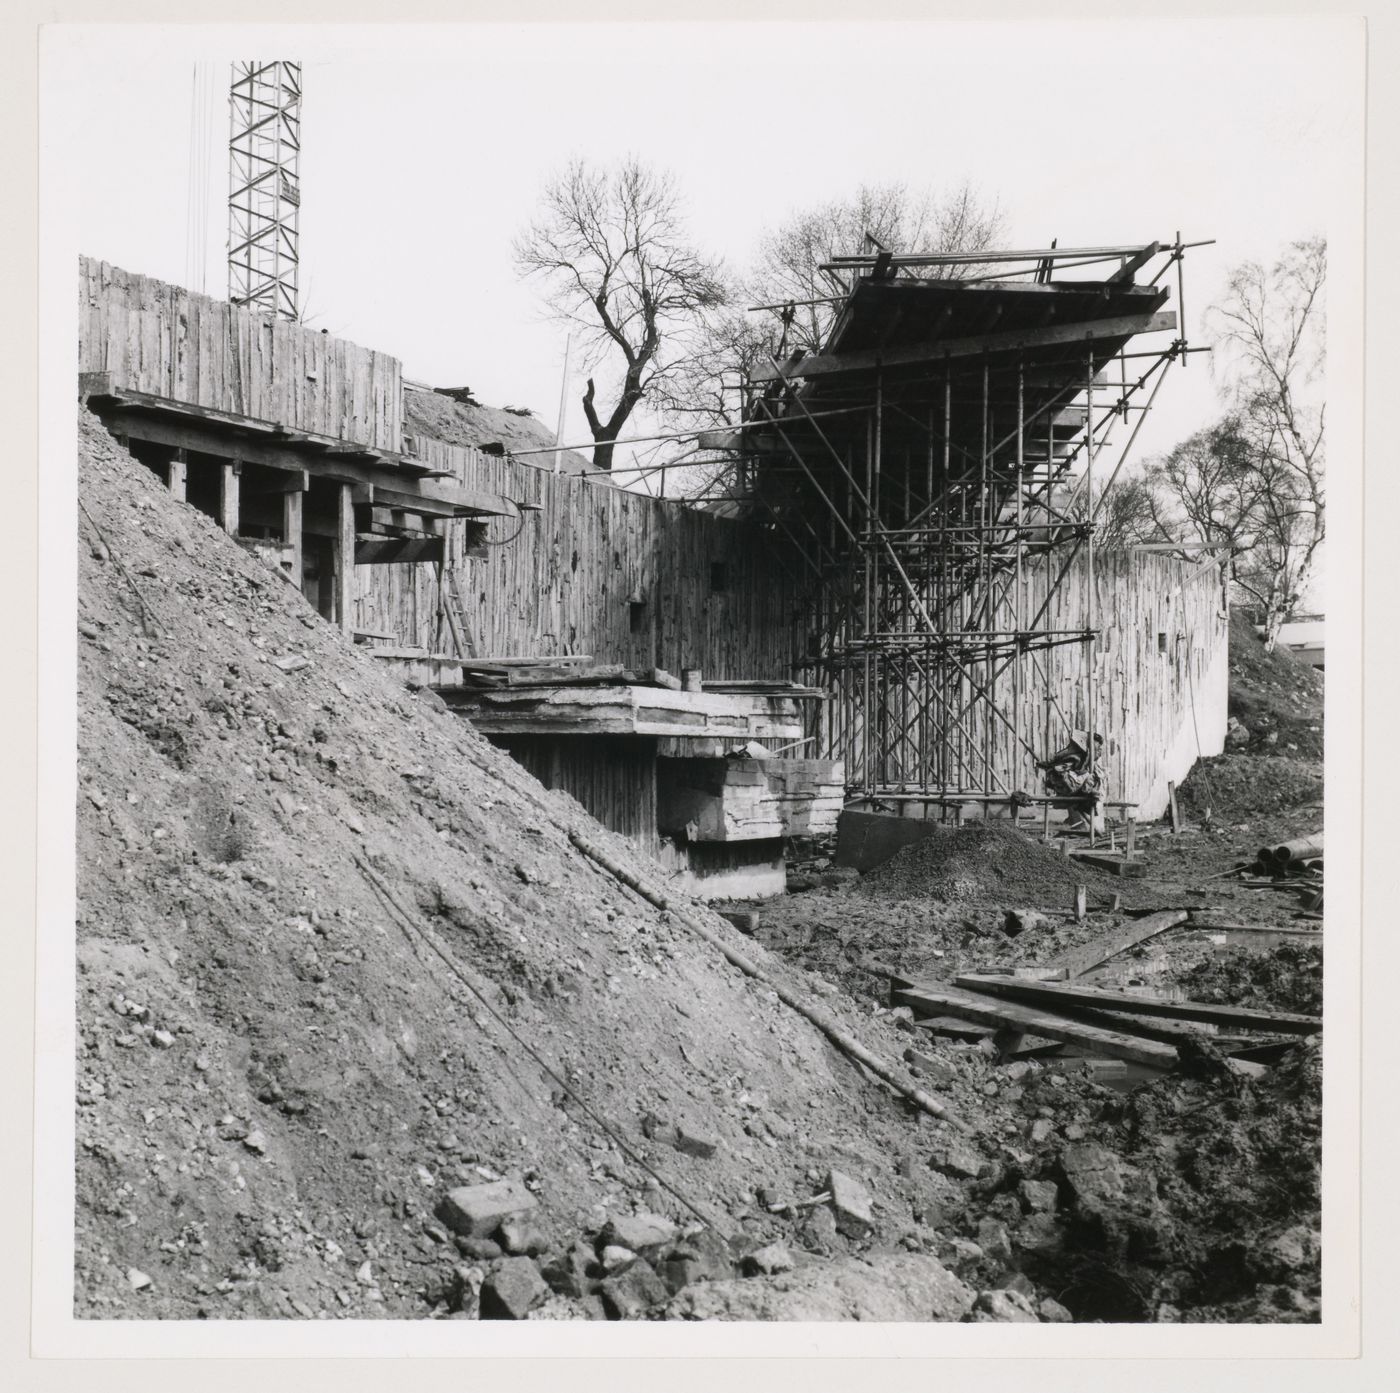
[{"x": 424, "y": 151}]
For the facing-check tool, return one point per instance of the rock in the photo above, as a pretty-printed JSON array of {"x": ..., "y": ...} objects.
[
  {"x": 137, "y": 1280},
  {"x": 1094, "y": 1172},
  {"x": 941, "y": 1071},
  {"x": 639, "y": 1232},
  {"x": 293, "y": 662},
  {"x": 255, "y": 1141},
  {"x": 464, "y": 1289},
  {"x": 1039, "y": 1233},
  {"x": 364, "y": 1275},
  {"x": 616, "y": 1258},
  {"x": 513, "y": 1290},
  {"x": 1041, "y": 1129},
  {"x": 631, "y": 1294},
  {"x": 766, "y": 1262},
  {"x": 474, "y": 1211},
  {"x": 957, "y": 1159},
  {"x": 850, "y": 1204},
  {"x": 993, "y": 1239},
  {"x": 162, "y": 1039},
  {"x": 1237, "y": 734},
  {"x": 699, "y": 1257},
  {"x": 1004, "y": 1306},
  {"x": 1018, "y": 1282},
  {"x": 482, "y": 1249},
  {"x": 1039, "y": 1196},
  {"x": 569, "y": 1273},
  {"x": 1052, "y": 1311},
  {"x": 519, "y": 1236},
  {"x": 1019, "y": 921},
  {"x": 694, "y": 1142},
  {"x": 887, "y": 1287}
]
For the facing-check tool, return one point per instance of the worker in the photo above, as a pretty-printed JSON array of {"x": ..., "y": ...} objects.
[{"x": 1072, "y": 773}]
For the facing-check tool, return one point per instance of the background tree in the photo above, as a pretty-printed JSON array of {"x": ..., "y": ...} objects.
[
  {"x": 1270, "y": 331},
  {"x": 616, "y": 261},
  {"x": 1124, "y": 511},
  {"x": 894, "y": 217}
]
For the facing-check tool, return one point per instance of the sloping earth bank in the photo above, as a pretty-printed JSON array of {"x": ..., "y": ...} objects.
[{"x": 279, "y": 1076}]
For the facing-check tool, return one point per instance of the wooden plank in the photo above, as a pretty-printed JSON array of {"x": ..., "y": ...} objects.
[
  {"x": 292, "y": 533},
  {"x": 1114, "y": 863},
  {"x": 228, "y": 496},
  {"x": 176, "y": 477},
  {"x": 344, "y": 559},
  {"x": 984, "y": 1010},
  {"x": 1059, "y": 995},
  {"x": 907, "y": 355},
  {"x": 1078, "y": 961}
]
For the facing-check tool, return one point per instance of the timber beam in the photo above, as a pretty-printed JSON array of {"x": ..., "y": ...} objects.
[{"x": 1011, "y": 341}]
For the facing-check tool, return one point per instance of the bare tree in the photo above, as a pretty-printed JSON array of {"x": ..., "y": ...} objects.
[
  {"x": 888, "y": 216},
  {"x": 616, "y": 261},
  {"x": 1271, "y": 335},
  {"x": 1125, "y": 512},
  {"x": 1207, "y": 489}
]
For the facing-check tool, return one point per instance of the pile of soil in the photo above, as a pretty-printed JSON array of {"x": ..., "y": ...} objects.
[
  {"x": 1286, "y": 978},
  {"x": 975, "y": 862},
  {"x": 1237, "y": 787},
  {"x": 1276, "y": 696},
  {"x": 454, "y": 422}
]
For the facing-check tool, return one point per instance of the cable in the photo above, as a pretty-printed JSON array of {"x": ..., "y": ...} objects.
[{"x": 407, "y": 923}]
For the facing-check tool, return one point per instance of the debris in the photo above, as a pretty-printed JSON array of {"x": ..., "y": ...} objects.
[
  {"x": 513, "y": 1290},
  {"x": 474, "y": 1211},
  {"x": 768, "y": 1261},
  {"x": 631, "y": 1294},
  {"x": 136, "y": 1279},
  {"x": 851, "y": 1204}
]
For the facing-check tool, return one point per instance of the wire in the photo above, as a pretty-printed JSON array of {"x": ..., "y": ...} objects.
[{"x": 411, "y": 927}]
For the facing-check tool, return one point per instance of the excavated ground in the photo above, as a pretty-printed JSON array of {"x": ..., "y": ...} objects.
[{"x": 280, "y": 1075}]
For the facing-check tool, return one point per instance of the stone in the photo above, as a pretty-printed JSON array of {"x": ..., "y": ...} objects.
[
  {"x": 768, "y": 1261},
  {"x": 513, "y": 1290},
  {"x": 1237, "y": 734},
  {"x": 137, "y": 1280},
  {"x": 1093, "y": 1172},
  {"x": 519, "y": 1236},
  {"x": 482, "y": 1249},
  {"x": 293, "y": 662},
  {"x": 1041, "y": 1129},
  {"x": 570, "y": 1273},
  {"x": 639, "y": 1232},
  {"x": 1018, "y": 1282},
  {"x": 694, "y": 1142},
  {"x": 886, "y": 1287},
  {"x": 1039, "y": 1196},
  {"x": 1039, "y": 1233},
  {"x": 698, "y": 1257},
  {"x": 1004, "y": 1306},
  {"x": 616, "y": 1258},
  {"x": 850, "y": 1204},
  {"x": 255, "y": 1141},
  {"x": 631, "y": 1294},
  {"x": 1052, "y": 1311},
  {"x": 475, "y": 1211},
  {"x": 957, "y": 1159},
  {"x": 941, "y": 1071},
  {"x": 993, "y": 1239},
  {"x": 162, "y": 1039}
]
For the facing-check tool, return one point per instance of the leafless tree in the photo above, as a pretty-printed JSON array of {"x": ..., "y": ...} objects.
[
  {"x": 612, "y": 250},
  {"x": 892, "y": 217},
  {"x": 1271, "y": 339},
  {"x": 1124, "y": 511}
]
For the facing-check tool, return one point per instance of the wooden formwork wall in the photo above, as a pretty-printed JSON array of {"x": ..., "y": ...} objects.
[
  {"x": 1160, "y": 677},
  {"x": 621, "y": 576},
  {"x": 158, "y": 338}
]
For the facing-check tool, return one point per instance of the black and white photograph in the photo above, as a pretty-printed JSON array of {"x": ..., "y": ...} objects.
[{"x": 695, "y": 662}]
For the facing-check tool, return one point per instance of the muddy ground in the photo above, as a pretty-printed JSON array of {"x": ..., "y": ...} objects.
[{"x": 282, "y": 1070}]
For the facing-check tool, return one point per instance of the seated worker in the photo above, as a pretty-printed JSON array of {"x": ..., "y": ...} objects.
[{"x": 1071, "y": 773}]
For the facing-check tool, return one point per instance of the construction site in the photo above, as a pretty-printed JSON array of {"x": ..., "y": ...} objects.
[{"x": 852, "y": 892}]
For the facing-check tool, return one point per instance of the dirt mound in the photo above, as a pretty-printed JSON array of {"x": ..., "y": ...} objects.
[
  {"x": 1286, "y": 978},
  {"x": 437, "y": 415},
  {"x": 1236, "y": 787},
  {"x": 1276, "y": 696},
  {"x": 980, "y": 861},
  {"x": 279, "y": 1074}
]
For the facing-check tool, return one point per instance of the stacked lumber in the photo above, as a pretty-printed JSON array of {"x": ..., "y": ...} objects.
[{"x": 1143, "y": 1029}]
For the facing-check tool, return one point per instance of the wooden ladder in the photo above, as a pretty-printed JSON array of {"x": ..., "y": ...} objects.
[{"x": 453, "y": 606}]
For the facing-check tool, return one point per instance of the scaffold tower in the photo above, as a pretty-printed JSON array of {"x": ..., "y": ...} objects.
[{"x": 264, "y": 200}]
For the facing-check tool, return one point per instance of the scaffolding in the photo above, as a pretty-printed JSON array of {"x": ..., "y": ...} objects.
[
  {"x": 264, "y": 199},
  {"x": 939, "y": 466}
]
